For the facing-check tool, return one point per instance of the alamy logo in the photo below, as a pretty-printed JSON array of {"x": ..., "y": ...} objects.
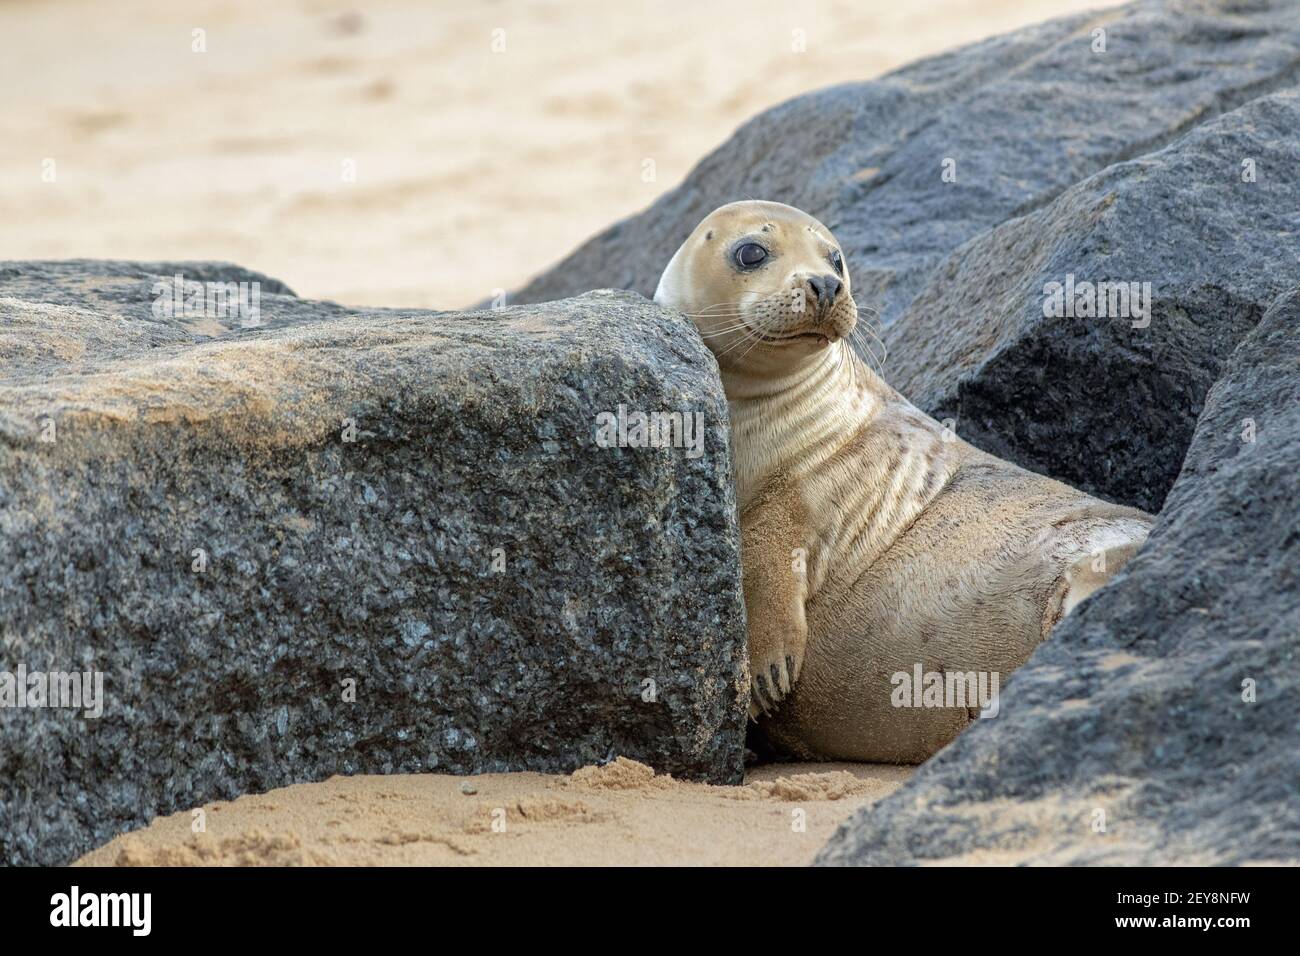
[
  {"x": 1099, "y": 300},
  {"x": 965, "y": 689},
  {"x": 633, "y": 429},
  {"x": 181, "y": 299},
  {"x": 103, "y": 909},
  {"x": 69, "y": 689}
]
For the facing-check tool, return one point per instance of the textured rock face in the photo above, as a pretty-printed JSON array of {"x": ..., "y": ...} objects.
[
  {"x": 1023, "y": 118},
  {"x": 1167, "y": 708},
  {"x": 346, "y": 542},
  {"x": 1106, "y": 401}
]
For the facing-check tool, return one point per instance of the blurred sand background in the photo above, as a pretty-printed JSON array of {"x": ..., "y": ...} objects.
[{"x": 474, "y": 169}]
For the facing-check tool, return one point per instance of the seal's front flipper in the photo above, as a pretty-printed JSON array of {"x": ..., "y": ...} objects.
[{"x": 776, "y": 588}]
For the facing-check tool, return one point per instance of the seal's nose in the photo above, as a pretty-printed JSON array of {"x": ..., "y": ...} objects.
[{"x": 824, "y": 289}]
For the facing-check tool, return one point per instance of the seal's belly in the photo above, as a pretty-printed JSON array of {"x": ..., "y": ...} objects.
[
  {"x": 875, "y": 691},
  {"x": 880, "y": 685},
  {"x": 958, "y": 600}
]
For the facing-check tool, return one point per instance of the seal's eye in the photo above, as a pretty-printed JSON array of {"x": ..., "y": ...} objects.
[
  {"x": 837, "y": 262},
  {"x": 750, "y": 255}
]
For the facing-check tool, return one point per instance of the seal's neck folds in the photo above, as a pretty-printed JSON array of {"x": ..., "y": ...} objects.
[{"x": 789, "y": 423}]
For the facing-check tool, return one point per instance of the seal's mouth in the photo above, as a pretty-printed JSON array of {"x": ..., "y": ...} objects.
[{"x": 820, "y": 338}]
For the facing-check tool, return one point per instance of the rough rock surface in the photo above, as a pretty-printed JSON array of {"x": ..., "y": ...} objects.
[
  {"x": 1166, "y": 709},
  {"x": 131, "y": 442},
  {"x": 1023, "y": 118},
  {"x": 1107, "y": 403}
]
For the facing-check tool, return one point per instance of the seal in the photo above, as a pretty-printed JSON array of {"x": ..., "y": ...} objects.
[{"x": 876, "y": 546}]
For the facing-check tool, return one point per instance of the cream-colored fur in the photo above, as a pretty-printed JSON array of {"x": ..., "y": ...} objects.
[{"x": 872, "y": 540}]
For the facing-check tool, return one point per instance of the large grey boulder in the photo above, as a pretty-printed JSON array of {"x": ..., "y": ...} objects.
[
  {"x": 349, "y": 541},
  {"x": 1020, "y": 119},
  {"x": 1161, "y": 722}
]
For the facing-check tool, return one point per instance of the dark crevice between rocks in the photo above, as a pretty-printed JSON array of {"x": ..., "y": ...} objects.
[{"x": 1132, "y": 457}]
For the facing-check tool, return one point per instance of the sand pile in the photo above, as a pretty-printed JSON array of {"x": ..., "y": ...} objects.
[{"x": 618, "y": 814}]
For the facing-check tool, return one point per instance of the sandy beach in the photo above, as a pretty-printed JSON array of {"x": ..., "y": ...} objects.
[
  {"x": 618, "y": 814},
  {"x": 397, "y": 153}
]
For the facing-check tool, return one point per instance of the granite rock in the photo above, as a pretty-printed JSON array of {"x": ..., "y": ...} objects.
[{"x": 342, "y": 541}]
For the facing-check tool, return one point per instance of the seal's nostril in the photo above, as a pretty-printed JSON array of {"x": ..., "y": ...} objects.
[{"x": 825, "y": 288}]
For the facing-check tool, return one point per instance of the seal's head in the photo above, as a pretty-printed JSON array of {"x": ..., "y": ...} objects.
[{"x": 764, "y": 282}]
